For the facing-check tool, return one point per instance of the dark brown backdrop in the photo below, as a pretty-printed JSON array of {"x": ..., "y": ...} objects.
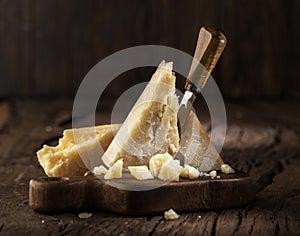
[{"x": 47, "y": 46}]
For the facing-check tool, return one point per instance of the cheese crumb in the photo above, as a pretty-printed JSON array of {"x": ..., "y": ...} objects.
[
  {"x": 115, "y": 171},
  {"x": 189, "y": 172},
  {"x": 213, "y": 174},
  {"x": 226, "y": 169},
  {"x": 140, "y": 172},
  {"x": 85, "y": 215},
  {"x": 100, "y": 170},
  {"x": 170, "y": 171},
  {"x": 218, "y": 176},
  {"x": 171, "y": 215},
  {"x": 157, "y": 161}
]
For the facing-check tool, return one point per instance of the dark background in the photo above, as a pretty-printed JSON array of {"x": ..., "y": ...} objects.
[{"x": 47, "y": 46}]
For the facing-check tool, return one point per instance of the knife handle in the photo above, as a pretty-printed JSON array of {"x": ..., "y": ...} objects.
[{"x": 210, "y": 45}]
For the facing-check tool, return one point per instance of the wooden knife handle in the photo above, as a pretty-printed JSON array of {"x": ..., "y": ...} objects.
[{"x": 210, "y": 45}]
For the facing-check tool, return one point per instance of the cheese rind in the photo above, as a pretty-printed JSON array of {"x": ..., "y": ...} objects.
[
  {"x": 115, "y": 171},
  {"x": 151, "y": 126},
  {"x": 140, "y": 172}
]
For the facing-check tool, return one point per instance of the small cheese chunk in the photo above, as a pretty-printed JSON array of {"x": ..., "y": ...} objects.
[
  {"x": 171, "y": 215},
  {"x": 189, "y": 172},
  {"x": 226, "y": 169},
  {"x": 213, "y": 174},
  {"x": 140, "y": 172},
  {"x": 170, "y": 171},
  {"x": 100, "y": 170},
  {"x": 85, "y": 215},
  {"x": 157, "y": 161},
  {"x": 115, "y": 171}
]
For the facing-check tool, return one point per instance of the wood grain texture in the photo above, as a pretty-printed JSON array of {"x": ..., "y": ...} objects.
[
  {"x": 90, "y": 193},
  {"x": 47, "y": 47},
  {"x": 262, "y": 139}
]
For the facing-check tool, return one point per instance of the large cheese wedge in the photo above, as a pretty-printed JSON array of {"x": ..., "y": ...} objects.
[
  {"x": 64, "y": 159},
  {"x": 196, "y": 148},
  {"x": 151, "y": 126}
]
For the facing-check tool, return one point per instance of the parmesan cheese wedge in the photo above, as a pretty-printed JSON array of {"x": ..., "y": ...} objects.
[
  {"x": 196, "y": 147},
  {"x": 64, "y": 159},
  {"x": 151, "y": 126}
]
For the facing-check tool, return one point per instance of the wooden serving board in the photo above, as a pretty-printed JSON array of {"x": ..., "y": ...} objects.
[{"x": 57, "y": 194}]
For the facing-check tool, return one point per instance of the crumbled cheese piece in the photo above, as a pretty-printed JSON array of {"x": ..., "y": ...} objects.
[
  {"x": 226, "y": 169},
  {"x": 218, "y": 176},
  {"x": 170, "y": 171},
  {"x": 199, "y": 217},
  {"x": 140, "y": 172},
  {"x": 213, "y": 174},
  {"x": 157, "y": 161},
  {"x": 43, "y": 221},
  {"x": 189, "y": 172},
  {"x": 100, "y": 170},
  {"x": 85, "y": 215},
  {"x": 206, "y": 175},
  {"x": 115, "y": 171},
  {"x": 171, "y": 215}
]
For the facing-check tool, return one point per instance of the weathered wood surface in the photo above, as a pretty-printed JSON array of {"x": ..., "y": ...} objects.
[
  {"x": 47, "y": 47},
  {"x": 85, "y": 193},
  {"x": 262, "y": 139}
]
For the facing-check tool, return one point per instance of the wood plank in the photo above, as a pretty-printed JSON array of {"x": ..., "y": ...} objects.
[
  {"x": 259, "y": 42},
  {"x": 10, "y": 46},
  {"x": 48, "y": 47}
]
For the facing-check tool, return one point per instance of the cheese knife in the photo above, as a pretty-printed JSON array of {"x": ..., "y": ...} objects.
[{"x": 209, "y": 48}]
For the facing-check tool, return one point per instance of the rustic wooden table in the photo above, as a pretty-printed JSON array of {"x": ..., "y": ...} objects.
[{"x": 262, "y": 139}]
